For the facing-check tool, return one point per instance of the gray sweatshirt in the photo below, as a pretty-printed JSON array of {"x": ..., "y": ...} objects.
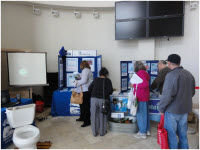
[{"x": 178, "y": 90}]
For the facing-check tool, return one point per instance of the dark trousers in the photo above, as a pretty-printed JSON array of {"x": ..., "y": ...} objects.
[{"x": 85, "y": 108}]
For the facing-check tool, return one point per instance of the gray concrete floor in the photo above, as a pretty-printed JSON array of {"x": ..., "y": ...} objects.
[{"x": 66, "y": 133}]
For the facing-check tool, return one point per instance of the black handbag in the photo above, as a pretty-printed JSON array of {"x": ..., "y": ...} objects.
[{"x": 106, "y": 104}]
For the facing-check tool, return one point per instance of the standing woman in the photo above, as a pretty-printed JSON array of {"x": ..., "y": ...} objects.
[
  {"x": 86, "y": 79},
  {"x": 98, "y": 87},
  {"x": 143, "y": 95}
]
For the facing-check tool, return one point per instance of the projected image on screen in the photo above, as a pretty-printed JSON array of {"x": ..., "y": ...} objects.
[
  {"x": 27, "y": 68},
  {"x": 23, "y": 72}
]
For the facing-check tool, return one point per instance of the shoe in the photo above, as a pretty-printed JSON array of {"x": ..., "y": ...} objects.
[
  {"x": 140, "y": 135},
  {"x": 148, "y": 133},
  {"x": 79, "y": 119},
  {"x": 85, "y": 125}
]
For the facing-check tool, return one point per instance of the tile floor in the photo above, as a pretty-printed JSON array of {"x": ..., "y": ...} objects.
[{"x": 66, "y": 133}]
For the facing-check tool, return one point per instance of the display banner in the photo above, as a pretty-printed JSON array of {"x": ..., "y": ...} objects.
[
  {"x": 153, "y": 106},
  {"x": 119, "y": 104},
  {"x": 127, "y": 70}
]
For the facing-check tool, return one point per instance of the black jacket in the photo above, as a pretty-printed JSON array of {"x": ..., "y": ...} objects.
[
  {"x": 96, "y": 88},
  {"x": 159, "y": 80}
]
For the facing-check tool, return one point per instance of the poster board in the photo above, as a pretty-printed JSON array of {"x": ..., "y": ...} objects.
[
  {"x": 127, "y": 70},
  {"x": 72, "y": 64}
]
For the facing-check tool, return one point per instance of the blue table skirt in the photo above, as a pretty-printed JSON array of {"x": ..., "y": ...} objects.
[
  {"x": 61, "y": 105},
  {"x": 6, "y": 130}
]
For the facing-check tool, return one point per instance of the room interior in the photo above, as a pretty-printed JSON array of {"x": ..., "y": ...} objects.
[{"x": 47, "y": 26}]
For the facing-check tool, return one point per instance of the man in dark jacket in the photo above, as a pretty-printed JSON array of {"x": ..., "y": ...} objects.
[
  {"x": 159, "y": 80},
  {"x": 176, "y": 102}
]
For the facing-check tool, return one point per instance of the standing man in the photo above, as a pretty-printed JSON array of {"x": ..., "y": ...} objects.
[
  {"x": 159, "y": 80},
  {"x": 176, "y": 102}
]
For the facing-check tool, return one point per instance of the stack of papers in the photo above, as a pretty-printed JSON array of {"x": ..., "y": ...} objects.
[{"x": 115, "y": 93}]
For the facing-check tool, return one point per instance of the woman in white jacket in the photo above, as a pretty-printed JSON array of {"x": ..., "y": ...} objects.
[{"x": 86, "y": 79}]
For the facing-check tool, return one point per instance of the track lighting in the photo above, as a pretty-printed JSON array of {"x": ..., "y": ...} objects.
[
  {"x": 193, "y": 4},
  {"x": 77, "y": 14},
  {"x": 36, "y": 11},
  {"x": 95, "y": 14},
  {"x": 55, "y": 13}
]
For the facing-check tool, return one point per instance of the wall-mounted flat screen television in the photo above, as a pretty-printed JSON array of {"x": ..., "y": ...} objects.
[{"x": 144, "y": 19}]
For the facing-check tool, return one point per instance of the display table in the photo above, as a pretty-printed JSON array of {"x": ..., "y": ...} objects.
[
  {"x": 6, "y": 130},
  {"x": 154, "y": 113},
  {"x": 61, "y": 105}
]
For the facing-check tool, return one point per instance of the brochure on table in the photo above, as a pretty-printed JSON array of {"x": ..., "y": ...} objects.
[
  {"x": 127, "y": 70},
  {"x": 71, "y": 65}
]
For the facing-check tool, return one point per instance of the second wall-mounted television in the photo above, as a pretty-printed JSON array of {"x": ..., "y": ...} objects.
[{"x": 144, "y": 19}]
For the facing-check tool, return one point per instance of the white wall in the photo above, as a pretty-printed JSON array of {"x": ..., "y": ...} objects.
[
  {"x": 104, "y": 4},
  {"x": 22, "y": 29},
  {"x": 187, "y": 46}
]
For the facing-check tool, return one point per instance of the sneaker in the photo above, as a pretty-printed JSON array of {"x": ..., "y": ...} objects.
[
  {"x": 140, "y": 135},
  {"x": 148, "y": 133}
]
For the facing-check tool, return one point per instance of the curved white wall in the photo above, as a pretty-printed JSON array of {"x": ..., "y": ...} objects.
[
  {"x": 21, "y": 29},
  {"x": 187, "y": 46},
  {"x": 78, "y": 3}
]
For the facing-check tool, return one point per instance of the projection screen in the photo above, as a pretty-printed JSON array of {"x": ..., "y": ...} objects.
[{"x": 27, "y": 69}]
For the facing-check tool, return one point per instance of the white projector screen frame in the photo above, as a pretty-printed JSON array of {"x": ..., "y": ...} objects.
[{"x": 27, "y": 68}]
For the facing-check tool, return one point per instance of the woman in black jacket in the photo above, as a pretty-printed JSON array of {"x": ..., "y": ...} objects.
[{"x": 98, "y": 119}]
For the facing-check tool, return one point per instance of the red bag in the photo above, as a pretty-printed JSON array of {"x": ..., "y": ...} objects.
[
  {"x": 162, "y": 135},
  {"x": 39, "y": 106}
]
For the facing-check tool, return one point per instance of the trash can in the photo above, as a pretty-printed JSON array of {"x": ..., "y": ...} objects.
[{"x": 39, "y": 106}]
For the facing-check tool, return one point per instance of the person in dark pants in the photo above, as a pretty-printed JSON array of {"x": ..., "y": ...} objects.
[
  {"x": 101, "y": 88},
  {"x": 86, "y": 79}
]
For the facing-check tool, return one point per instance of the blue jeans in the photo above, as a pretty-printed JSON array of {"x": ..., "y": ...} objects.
[
  {"x": 176, "y": 124},
  {"x": 143, "y": 117}
]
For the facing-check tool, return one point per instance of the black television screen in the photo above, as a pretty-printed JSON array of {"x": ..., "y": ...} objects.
[
  {"x": 157, "y": 8},
  {"x": 142, "y": 19},
  {"x": 127, "y": 10},
  {"x": 131, "y": 29},
  {"x": 165, "y": 27}
]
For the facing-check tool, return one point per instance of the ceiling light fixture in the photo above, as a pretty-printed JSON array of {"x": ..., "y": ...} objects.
[
  {"x": 54, "y": 12},
  {"x": 193, "y": 4},
  {"x": 77, "y": 14},
  {"x": 95, "y": 14},
  {"x": 36, "y": 11}
]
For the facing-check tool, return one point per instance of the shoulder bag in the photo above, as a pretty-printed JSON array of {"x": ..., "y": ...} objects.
[
  {"x": 134, "y": 104},
  {"x": 106, "y": 104}
]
